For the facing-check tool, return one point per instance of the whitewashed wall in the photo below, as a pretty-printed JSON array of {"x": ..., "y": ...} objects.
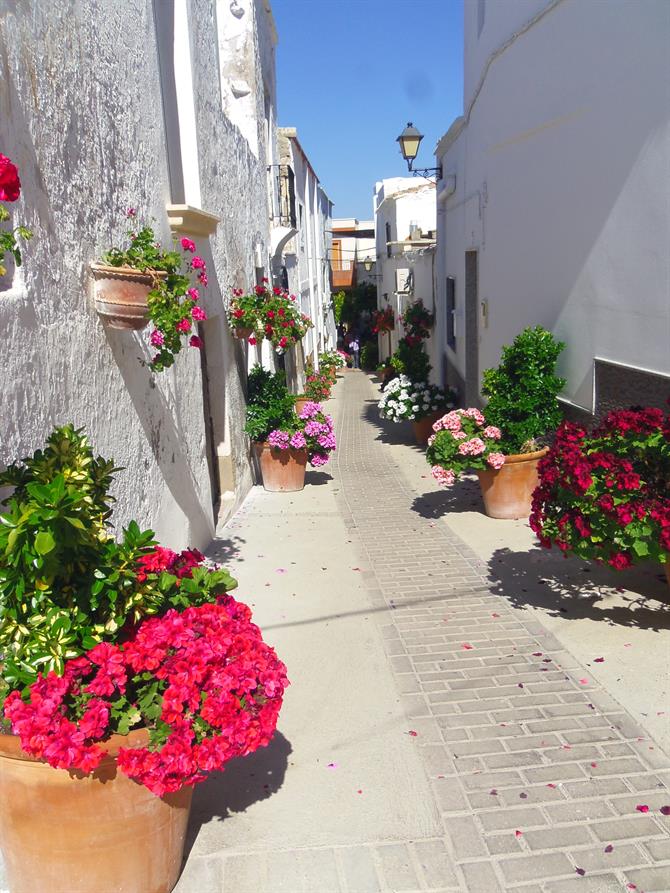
[
  {"x": 81, "y": 113},
  {"x": 562, "y": 181}
]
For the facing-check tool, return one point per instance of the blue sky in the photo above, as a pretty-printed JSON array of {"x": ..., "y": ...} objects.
[{"x": 352, "y": 73}]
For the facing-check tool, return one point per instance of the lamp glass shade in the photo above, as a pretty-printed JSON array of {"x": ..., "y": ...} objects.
[
  {"x": 409, "y": 140},
  {"x": 367, "y": 263}
]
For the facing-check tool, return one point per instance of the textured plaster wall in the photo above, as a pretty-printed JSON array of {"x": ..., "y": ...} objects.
[{"x": 81, "y": 112}]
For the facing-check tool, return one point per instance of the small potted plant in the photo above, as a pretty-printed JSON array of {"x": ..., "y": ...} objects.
[
  {"x": 270, "y": 313},
  {"x": 126, "y": 667},
  {"x": 417, "y": 320},
  {"x": 10, "y": 190},
  {"x": 522, "y": 402},
  {"x": 312, "y": 432},
  {"x": 463, "y": 441},
  {"x": 411, "y": 359},
  {"x": 143, "y": 282},
  {"x": 604, "y": 494},
  {"x": 421, "y": 403}
]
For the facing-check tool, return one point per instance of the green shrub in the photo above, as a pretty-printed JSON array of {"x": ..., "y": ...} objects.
[
  {"x": 522, "y": 391},
  {"x": 269, "y": 404},
  {"x": 411, "y": 359},
  {"x": 369, "y": 355}
]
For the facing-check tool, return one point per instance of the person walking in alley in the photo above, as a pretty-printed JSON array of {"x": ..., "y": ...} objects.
[{"x": 355, "y": 348}]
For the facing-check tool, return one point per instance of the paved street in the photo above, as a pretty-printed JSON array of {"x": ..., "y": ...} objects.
[{"x": 434, "y": 738}]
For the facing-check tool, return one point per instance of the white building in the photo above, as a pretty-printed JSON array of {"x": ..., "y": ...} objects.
[
  {"x": 405, "y": 242},
  {"x": 174, "y": 116},
  {"x": 353, "y": 244},
  {"x": 305, "y": 245},
  {"x": 554, "y": 206}
]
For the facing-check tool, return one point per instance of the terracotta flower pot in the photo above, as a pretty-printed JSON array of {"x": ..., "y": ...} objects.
[
  {"x": 66, "y": 831},
  {"x": 423, "y": 428},
  {"x": 242, "y": 333},
  {"x": 300, "y": 402},
  {"x": 667, "y": 568},
  {"x": 121, "y": 295},
  {"x": 283, "y": 471},
  {"x": 508, "y": 491}
]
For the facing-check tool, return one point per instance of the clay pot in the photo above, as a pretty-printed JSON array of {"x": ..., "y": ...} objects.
[
  {"x": 67, "y": 832},
  {"x": 121, "y": 295},
  {"x": 423, "y": 428},
  {"x": 243, "y": 334},
  {"x": 300, "y": 402},
  {"x": 387, "y": 374},
  {"x": 283, "y": 471},
  {"x": 508, "y": 491},
  {"x": 667, "y": 568}
]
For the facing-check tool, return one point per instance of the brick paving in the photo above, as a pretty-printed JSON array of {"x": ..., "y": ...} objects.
[{"x": 538, "y": 772}]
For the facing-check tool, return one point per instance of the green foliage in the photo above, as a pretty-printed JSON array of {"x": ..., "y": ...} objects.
[
  {"x": 338, "y": 303},
  {"x": 522, "y": 391},
  {"x": 8, "y": 240},
  {"x": 411, "y": 359},
  {"x": 358, "y": 300},
  {"x": 269, "y": 404},
  {"x": 369, "y": 355}
]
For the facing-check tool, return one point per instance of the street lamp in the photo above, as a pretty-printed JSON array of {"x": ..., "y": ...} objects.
[
  {"x": 410, "y": 140},
  {"x": 368, "y": 263}
]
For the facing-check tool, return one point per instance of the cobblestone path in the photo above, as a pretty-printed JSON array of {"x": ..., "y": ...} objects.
[{"x": 544, "y": 783}]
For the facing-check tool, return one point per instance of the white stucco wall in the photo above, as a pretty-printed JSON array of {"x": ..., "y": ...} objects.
[
  {"x": 88, "y": 132},
  {"x": 562, "y": 182}
]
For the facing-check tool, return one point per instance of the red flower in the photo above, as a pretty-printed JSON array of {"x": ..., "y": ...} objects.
[
  {"x": 194, "y": 341},
  {"x": 10, "y": 185}
]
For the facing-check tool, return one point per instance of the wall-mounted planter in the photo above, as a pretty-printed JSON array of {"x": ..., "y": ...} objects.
[
  {"x": 121, "y": 295},
  {"x": 242, "y": 334}
]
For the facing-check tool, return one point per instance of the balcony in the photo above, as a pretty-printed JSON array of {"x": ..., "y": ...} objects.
[{"x": 343, "y": 273}]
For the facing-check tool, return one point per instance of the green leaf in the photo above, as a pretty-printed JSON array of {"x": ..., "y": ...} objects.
[{"x": 44, "y": 542}]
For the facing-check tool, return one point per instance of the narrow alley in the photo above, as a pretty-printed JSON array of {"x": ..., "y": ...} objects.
[{"x": 436, "y": 735}]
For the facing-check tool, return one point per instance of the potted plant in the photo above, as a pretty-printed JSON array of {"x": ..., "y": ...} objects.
[
  {"x": 386, "y": 371},
  {"x": 522, "y": 402},
  {"x": 143, "y": 282},
  {"x": 463, "y": 441},
  {"x": 10, "y": 190},
  {"x": 411, "y": 359},
  {"x": 604, "y": 494},
  {"x": 417, "y": 320},
  {"x": 331, "y": 361},
  {"x": 122, "y": 668},
  {"x": 421, "y": 403},
  {"x": 271, "y": 408},
  {"x": 270, "y": 313}
]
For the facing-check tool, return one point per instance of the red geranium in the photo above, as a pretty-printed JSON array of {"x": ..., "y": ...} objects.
[{"x": 10, "y": 185}]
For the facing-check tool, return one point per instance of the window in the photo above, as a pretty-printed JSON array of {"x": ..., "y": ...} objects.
[
  {"x": 388, "y": 240},
  {"x": 451, "y": 312},
  {"x": 481, "y": 16}
]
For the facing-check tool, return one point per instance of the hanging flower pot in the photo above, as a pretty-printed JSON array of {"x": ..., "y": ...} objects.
[
  {"x": 105, "y": 832},
  {"x": 283, "y": 471},
  {"x": 508, "y": 491},
  {"x": 121, "y": 294},
  {"x": 242, "y": 333}
]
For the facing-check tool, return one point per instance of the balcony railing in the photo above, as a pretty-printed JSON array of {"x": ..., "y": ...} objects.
[{"x": 343, "y": 273}]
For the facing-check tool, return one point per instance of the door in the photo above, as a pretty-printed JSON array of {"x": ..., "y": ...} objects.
[{"x": 471, "y": 330}]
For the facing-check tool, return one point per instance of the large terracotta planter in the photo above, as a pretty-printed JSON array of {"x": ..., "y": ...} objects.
[
  {"x": 423, "y": 428},
  {"x": 300, "y": 402},
  {"x": 283, "y": 471},
  {"x": 65, "y": 832},
  {"x": 508, "y": 491},
  {"x": 667, "y": 568},
  {"x": 121, "y": 295}
]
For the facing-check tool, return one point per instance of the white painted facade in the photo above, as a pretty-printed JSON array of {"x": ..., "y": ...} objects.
[
  {"x": 557, "y": 176},
  {"x": 355, "y": 243},
  {"x": 177, "y": 107},
  {"x": 404, "y": 235},
  {"x": 305, "y": 255}
]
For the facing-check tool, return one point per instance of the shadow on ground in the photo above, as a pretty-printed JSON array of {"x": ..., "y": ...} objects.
[
  {"x": 463, "y": 496},
  {"x": 389, "y": 432},
  {"x": 222, "y": 550},
  {"x": 245, "y": 781},
  {"x": 576, "y": 589},
  {"x": 317, "y": 478}
]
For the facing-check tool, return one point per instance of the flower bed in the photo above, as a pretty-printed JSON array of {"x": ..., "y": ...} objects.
[{"x": 604, "y": 495}]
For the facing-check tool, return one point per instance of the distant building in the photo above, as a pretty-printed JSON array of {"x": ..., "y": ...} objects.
[
  {"x": 405, "y": 246},
  {"x": 554, "y": 205},
  {"x": 353, "y": 247}
]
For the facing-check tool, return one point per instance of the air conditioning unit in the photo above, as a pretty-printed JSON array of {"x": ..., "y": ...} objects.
[{"x": 403, "y": 281}]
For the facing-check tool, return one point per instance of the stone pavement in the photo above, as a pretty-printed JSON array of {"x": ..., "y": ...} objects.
[{"x": 537, "y": 774}]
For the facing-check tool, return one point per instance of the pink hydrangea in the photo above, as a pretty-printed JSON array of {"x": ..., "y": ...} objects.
[
  {"x": 279, "y": 439},
  {"x": 298, "y": 441},
  {"x": 452, "y": 421},
  {"x": 473, "y": 447},
  {"x": 492, "y": 432},
  {"x": 495, "y": 460},
  {"x": 309, "y": 410}
]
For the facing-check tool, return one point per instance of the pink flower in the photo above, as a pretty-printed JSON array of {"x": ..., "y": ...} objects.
[
  {"x": 203, "y": 279},
  {"x": 279, "y": 439},
  {"x": 157, "y": 338},
  {"x": 443, "y": 475},
  {"x": 492, "y": 432},
  {"x": 495, "y": 460},
  {"x": 131, "y": 212},
  {"x": 184, "y": 326},
  {"x": 198, "y": 263},
  {"x": 475, "y": 415},
  {"x": 188, "y": 245},
  {"x": 473, "y": 447},
  {"x": 298, "y": 441},
  {"x": 194, "y": 341},
  {"x": 431, "y": 440},
  {"x": 193, "y": 294},
  {"x": 198, "y": 313}
]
